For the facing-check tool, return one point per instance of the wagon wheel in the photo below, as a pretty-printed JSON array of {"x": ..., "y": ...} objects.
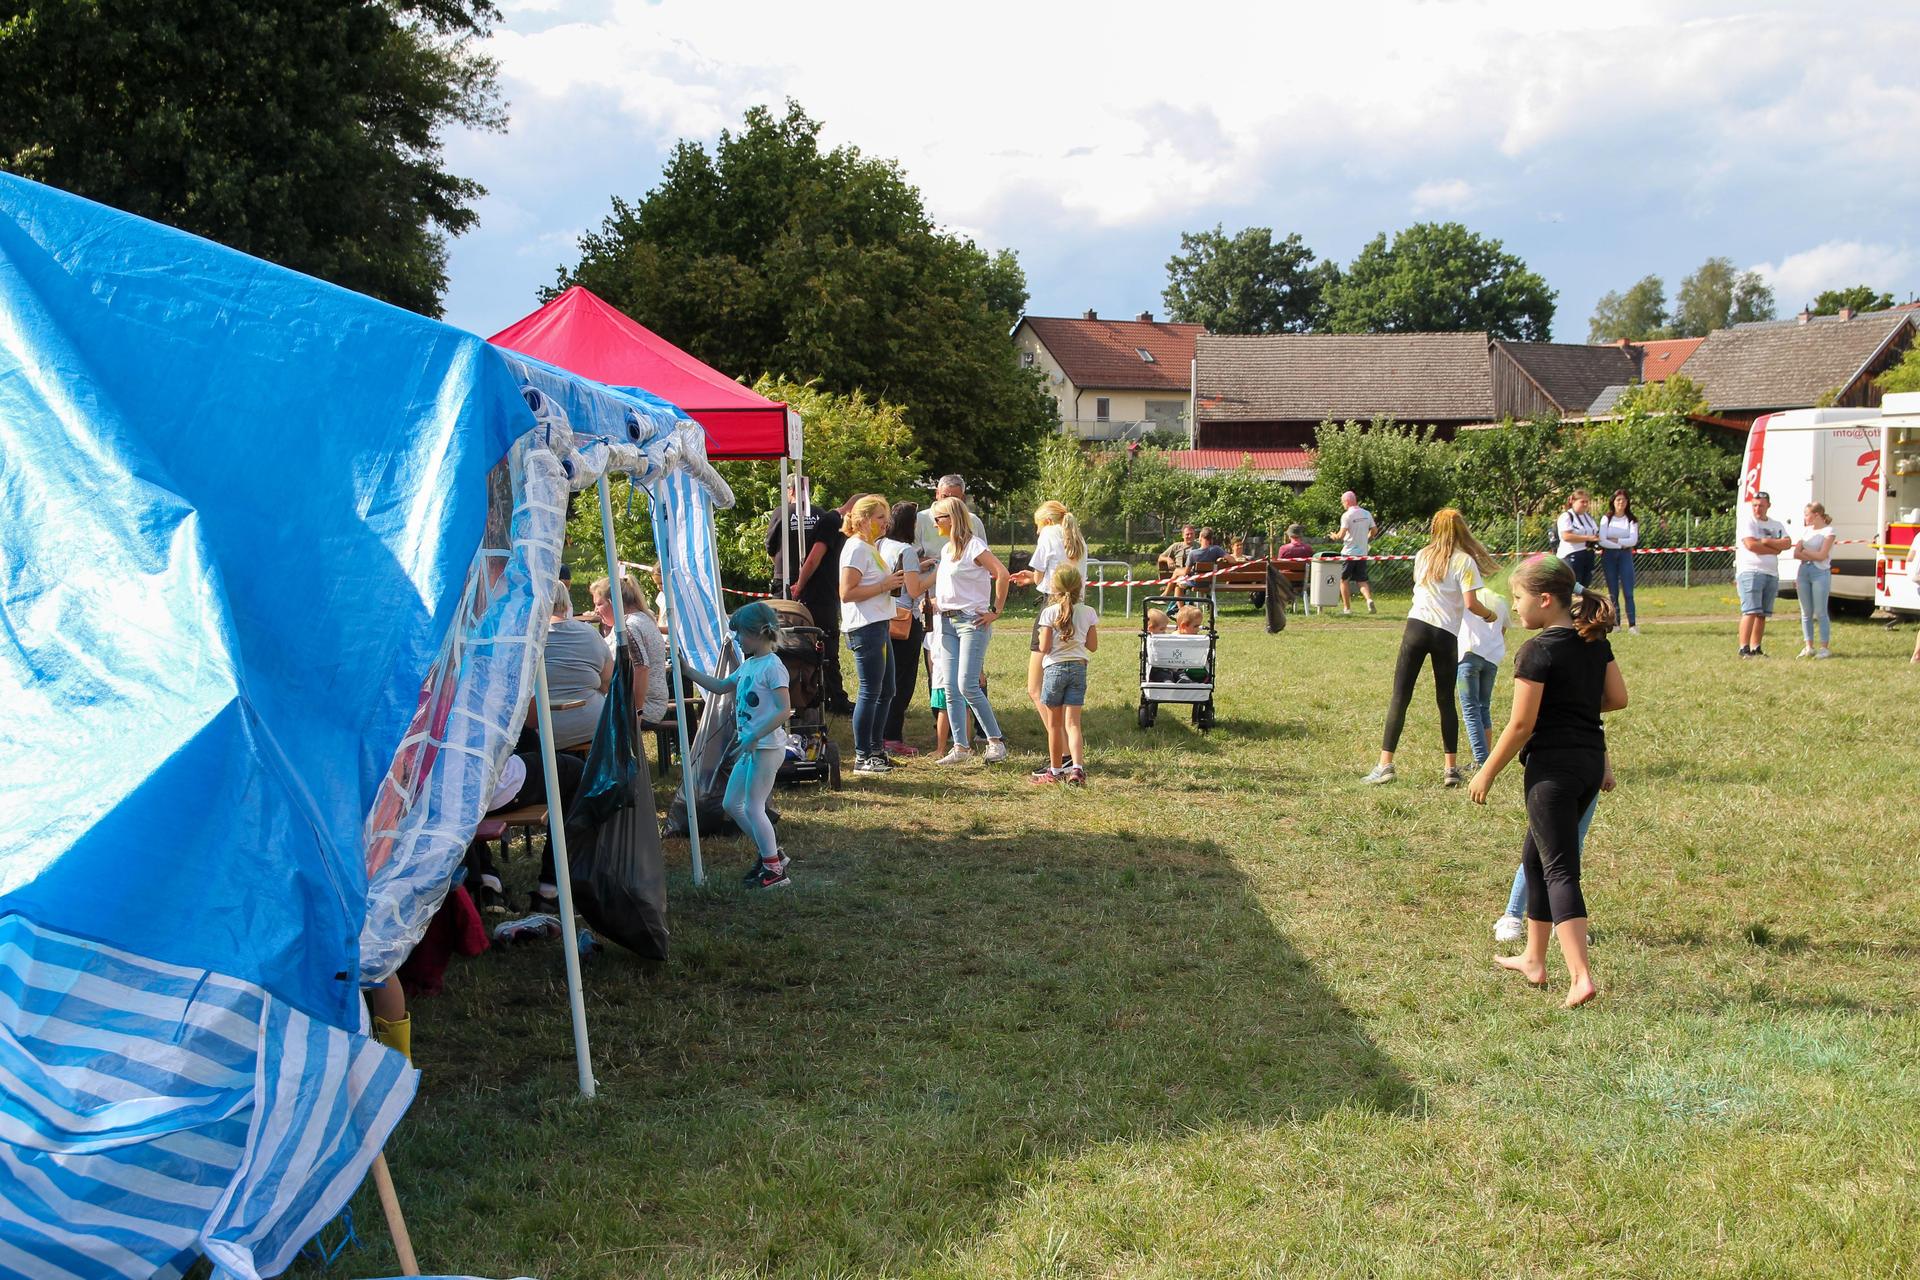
[
  {"x": 1146, "y": 713},
  {"x": 833, "y": 764},
  {"x": 1203, "y": 715}
]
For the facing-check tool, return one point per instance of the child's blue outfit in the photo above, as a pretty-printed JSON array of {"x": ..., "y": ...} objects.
[
  {"x": 1482, "y": 645},
  {"x": 756, "y": 684}
]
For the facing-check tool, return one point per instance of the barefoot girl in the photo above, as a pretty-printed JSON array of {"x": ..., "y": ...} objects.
[
  {"x": 1563, "y": 679},
  {"x": 760, "y": 709}
]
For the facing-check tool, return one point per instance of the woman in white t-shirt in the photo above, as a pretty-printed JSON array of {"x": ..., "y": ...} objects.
[
  {"x": 1447, "y": 576},
  {"x": 969, "y": 591},
  {"x": 905, "y": 635},
  {"x": 1619, "y": 535},
  {"x": 867, "y": 588},
  {"x": 1813, "y": 580},
  {"x": 1057, "y": 541},
  {"x": 1579, "y": 535}
]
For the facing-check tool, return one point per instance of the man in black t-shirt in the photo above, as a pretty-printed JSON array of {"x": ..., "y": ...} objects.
[{"x": 816, "y": 584}]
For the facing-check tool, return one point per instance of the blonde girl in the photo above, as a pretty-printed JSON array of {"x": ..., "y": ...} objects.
[
  {"x": 969, "y": 593},
  {"x": 1447, "y": 577},
  {"x": 1069, "y": 632},
  {"x": 1057, "y": 541},
  {"x": 867, "y": 589},
  {"x": 650, "y": 647}
]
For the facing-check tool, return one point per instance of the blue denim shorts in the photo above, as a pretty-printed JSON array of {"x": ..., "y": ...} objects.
[
  {"x": 1757, "y": 591},
  {"x": 1064, "y": 684}
]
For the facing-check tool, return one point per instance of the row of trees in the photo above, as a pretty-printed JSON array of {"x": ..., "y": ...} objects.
[
  {"x": 1713, "y": 297},
  {"x": 1430, "y": 277}
]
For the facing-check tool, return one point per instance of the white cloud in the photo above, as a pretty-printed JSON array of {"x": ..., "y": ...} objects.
[
  {"x": 1837, "y": 264},
  {"x": 1455, "y": 195}
]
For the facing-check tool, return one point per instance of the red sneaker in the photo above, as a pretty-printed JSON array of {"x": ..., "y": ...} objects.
[{"x": 901, "y": 749}]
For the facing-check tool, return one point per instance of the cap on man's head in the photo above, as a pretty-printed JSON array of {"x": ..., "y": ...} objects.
[{"x": 1761, "y": 495}]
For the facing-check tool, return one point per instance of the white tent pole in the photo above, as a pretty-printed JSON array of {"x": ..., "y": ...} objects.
[
  {"x": 689, "y": 775},
  {"x": 786, "y": 551},
  {"x": 557, "y": 837}
]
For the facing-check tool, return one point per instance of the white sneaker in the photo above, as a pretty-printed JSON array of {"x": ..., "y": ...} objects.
[
  {"x": 1346, "y": 613},
  {"x": 1509, "y": 929},
  {"x": 1805, "y": 652},
  {"x": 959, "y": 755},
  {"x": 996, "y": 751},
  {"x": 1370, "y": 608},
  {"x": 1381, "y": 773},
  {"x": 1824, "y": 652},
  {"x": 1633, "y": 630}
]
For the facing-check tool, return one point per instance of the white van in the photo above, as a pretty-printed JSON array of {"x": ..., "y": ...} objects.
[{"x": 1829, "y": 456}]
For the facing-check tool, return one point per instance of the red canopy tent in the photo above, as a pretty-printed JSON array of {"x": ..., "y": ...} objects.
[{"x": 582, "y": 334}]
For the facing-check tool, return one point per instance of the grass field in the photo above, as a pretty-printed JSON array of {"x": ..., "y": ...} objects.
[{"x": 1228, "y": 1013}]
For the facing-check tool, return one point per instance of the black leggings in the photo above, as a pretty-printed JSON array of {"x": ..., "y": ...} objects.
[
  {"x": 1420, "y": 642},
  {"x": 1560, "y": 786},
  {"x": 906, "y": 674}
]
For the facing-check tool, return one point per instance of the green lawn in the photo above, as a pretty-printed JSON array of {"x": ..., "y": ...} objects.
[{"x": 1228, "y": 1013}]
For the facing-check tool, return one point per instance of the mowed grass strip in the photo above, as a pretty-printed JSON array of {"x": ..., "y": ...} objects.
[{"x": 1229, "y": 1013}]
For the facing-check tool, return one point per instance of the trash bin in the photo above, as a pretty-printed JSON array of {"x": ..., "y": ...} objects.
[{"x": 1323, "y": 582}]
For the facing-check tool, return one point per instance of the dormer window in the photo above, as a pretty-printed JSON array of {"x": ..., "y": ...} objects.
[{"x": 1146, "y": 356}]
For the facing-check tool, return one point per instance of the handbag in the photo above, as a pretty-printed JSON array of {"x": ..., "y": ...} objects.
[{"x": 900, "y": 626}]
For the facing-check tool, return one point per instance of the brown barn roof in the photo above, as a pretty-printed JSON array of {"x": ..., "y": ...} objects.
[
  {"x": 1788, "y": 364},
  {"x": 1106, "y": 353},
  {"x": 1664, "y": 356},
  {"x": 1571, "y": 375},
  {"x": 1416, "y": 377}
]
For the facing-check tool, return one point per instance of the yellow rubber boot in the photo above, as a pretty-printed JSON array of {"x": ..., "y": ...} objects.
[{"x": 397, "y": 1035}]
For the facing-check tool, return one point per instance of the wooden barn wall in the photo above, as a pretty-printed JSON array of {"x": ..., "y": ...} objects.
[{"x": 1514, "y": 393}]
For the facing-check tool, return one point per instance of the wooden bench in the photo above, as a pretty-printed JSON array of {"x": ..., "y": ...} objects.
[
  {"x": 1251, "y": 580},
  {"x": 527, "y": 819}
]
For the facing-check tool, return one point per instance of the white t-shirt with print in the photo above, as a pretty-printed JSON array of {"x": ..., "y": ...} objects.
[
  {"x": 1064, "y": 650},
  {"x": 962, "y": 583},
  {"x": 1049, "y": 553},
  {"x": 1485, "y": 639},
  {"x": 1745, "y": 561},
  {"x": 1356, "y": 531},
  {"x": 861, "y": 556},
  {"x": 1443, "y": 603},
  {"x": 755, "y": 682},
  {"x": 1574, "y": 522}
]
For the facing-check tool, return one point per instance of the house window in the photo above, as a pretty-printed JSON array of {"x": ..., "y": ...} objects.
[
  {"x": 1026, "y": 359},
  {"x": 1145, "y": 355},
  {"x": 1168, "y": 415},
  {"x": 1102, "y": 408}
]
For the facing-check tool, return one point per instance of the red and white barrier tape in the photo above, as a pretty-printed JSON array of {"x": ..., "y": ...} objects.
[{"x": 1321, "y": 559}]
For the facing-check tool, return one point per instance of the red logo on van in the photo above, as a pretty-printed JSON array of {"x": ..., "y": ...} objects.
[{"x": 1870, "y": 482}]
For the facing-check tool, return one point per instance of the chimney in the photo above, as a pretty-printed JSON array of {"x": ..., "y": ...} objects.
[
  {"x": 1090, "y": 314},
  {"x": 1145, "y": 317},
  {"x": 1806, "y": 315},
  {"x": 1846, "y": 313},
  {"x": 1623, "y": 343}
]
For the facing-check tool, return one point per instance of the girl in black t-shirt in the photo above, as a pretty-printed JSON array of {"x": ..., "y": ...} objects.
[{"x": 1563, "y": 679}]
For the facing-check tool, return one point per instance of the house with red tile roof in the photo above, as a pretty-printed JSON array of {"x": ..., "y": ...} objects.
[
  {"x": 1113, "y": 379},
  {"x": 1661, "y": 358}
]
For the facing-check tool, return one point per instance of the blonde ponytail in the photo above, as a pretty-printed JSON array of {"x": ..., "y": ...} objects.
[
  {"x": 1067, "y": 587},
  {"x": 1070, "y": 534}
]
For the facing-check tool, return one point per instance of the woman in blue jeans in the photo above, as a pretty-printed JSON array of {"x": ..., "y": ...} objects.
[
  {"x": 1813, "y": 580},
  {"x": 969, "y": 591},
  {"x": 1619, "y": 535},
  {"x": 867, "y": 586}
]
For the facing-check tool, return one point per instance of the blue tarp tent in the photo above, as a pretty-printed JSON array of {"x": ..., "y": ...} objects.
[{"x": 274, "y": 560}]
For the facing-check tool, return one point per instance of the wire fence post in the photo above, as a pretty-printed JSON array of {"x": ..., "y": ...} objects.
[{"x": 1686, "y": 573}]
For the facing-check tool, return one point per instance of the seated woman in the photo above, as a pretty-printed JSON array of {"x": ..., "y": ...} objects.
[{"x": 579, "y": 668}]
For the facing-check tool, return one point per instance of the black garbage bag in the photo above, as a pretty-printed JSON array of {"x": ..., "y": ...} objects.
[{"x": 613, "y": 838}]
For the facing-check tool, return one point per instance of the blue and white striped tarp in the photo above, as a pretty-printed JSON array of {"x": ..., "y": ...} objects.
[
  {"x": 150, "y": 1113},
  {"x": 683, "y": 530}
]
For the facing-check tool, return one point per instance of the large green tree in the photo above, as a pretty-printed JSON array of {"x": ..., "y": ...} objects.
[
  {"x": 1247, "y": 282},
  {"x": 305, "y": 131},
  {"x": 1401, "y": 471},
  {"x": 1858, "y": 298},
  {"x": 771, "y": 254},
  {"x": 1439, "y": 277},
  {"x": 1717, "y": 295},
  {"x": 1638, "y": 315}
]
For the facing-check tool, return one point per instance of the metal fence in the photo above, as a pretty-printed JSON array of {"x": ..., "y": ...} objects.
[{"x": 1137, "y": 542}]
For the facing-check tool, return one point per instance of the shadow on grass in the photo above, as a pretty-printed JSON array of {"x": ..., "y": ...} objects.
[{"x": 853, "y": 1076}]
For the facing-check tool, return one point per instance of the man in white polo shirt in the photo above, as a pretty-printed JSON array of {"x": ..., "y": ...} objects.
[
  {"x": 1356, "y": 535},
  {"x": 1756, "y": 571}
]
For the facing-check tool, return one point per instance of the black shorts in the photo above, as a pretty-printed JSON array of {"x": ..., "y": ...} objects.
[
  {"x": 1354, "y": 571},
  {"x": 1033, "y": 640}
]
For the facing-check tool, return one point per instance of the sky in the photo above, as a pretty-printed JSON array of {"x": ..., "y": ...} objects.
[{"x": 1600, "y": 142}]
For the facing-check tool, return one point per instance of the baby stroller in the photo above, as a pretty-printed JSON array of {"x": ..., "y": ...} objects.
[
  {"x": 812, "y": 755},
  {"x": 1176, "y": 668}
]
